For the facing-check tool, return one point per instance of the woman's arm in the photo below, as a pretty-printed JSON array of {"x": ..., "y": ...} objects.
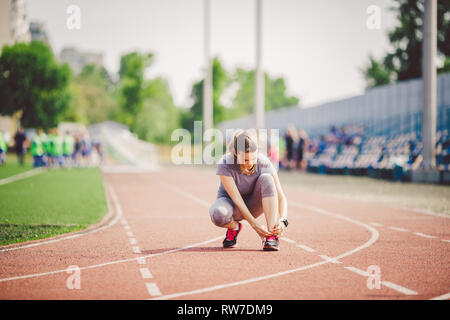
[
  {"x": 235, "y": 195},
  {"x": 282, "y": 201}
]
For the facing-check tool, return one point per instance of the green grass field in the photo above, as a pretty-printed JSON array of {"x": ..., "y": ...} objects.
[
  {"x": 51, "y": 203},
  {"x": 12, "y": 168}
]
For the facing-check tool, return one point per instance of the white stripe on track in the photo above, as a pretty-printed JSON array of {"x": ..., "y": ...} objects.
[
  {"x": 153, "y": 289},
  {"x": 116, "y": 219},
  {"x": 35, "y": 275},
  {"x": 423, "y": 235},
  {"x": 287, "y": 240},
  {"x": 398, "y": 288},
  {"x": 21, "y": 176},
  {"x": 306, "y": 248},
  {"x": 327, "y": 258},
  {"x": 388, "y": 284},
  {"x": 375, "y": 224},
  {"x": 145, "y": 273},
  {"x": 443, "y": 297},
  {"x": 372, "y": 240},
  {"x": 358, "y": 271},
  {"x": 136, "y": 250},
  {"x": 398, "y": 229}
]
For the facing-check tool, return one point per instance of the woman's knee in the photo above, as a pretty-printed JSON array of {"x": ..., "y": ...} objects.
[
  {"x": 220, "y": 214},
  {"x": 268, "y": 188}
]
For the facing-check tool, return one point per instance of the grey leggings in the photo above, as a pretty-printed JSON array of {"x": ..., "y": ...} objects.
[{"x": 223, "y": 210}]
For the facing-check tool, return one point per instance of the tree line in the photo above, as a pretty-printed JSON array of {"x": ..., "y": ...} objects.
[{"x": 47, "y": 92}]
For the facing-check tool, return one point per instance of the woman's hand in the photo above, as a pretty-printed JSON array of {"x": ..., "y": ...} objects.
[
  {"x": 261, "y": 230},
  {"x": 278, "y": 229}
]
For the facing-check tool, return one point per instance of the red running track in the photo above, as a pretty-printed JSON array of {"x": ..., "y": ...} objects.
[{"x": 162, "y": 245}]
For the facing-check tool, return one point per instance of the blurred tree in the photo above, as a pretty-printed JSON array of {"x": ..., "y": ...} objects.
[
  {"x": 275, "y": 94},
  {"x": 405, "y": 59},
  {"x": 93, "y": 96},
  {"x": 377, "y": 74},
  {"x": 195, "y": 113},
  {"x": 132, "y": 69},
  {"x": 159, "y": 116},
  {"x": 32, "y": 81}
]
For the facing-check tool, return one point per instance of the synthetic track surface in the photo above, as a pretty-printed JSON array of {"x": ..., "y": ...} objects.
[{"x": 161, "y": 244}]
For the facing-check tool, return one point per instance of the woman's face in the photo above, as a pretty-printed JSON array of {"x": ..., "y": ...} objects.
[{"x": 248, "y": 159}]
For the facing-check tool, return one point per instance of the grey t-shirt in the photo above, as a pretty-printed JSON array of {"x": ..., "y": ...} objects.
[{"x": 244, "y": 183}]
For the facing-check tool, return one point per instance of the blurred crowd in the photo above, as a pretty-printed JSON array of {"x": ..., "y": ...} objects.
[
  {"x": 53, "y": 149},
  {"x": 349, "y": 147}
]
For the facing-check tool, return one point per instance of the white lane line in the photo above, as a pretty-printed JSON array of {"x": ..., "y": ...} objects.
[
  {"x": 327, "y": 258},
  {"x": 398, "y": 229},
  {"x": 145, "y": 273},
  {"x": 136, "y": 250},
  {"x": 388, "y": 284},
  {"x": 123, "y": 221},
  {"x": 35, "y": 275},
  {"x": 113, "y": 221},
  {"x": 21, "y": 176},
  {"x": 130, "y": 234},
  {"x": 132, "y": 240},
  {"x": 127, "y": 227},
  {"x": 375, "y": 224},
  {"x": 420, "y": 234},
  {"x": 443, "y": 297},
  {"x": 287, "y": 240},
  {"x": 358, "y": 271},
  {"x": 368, "y": 243},
  {"x": 141, "y": 260},
  {"x": 153, "y": 289},
  {"x": 446, "y": 240},
  {"x": 306, "y": 248},
  {"x": 398, "y": 288}
]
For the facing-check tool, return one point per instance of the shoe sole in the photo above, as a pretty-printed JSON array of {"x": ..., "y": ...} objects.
[{"x": 270, "y": 248}]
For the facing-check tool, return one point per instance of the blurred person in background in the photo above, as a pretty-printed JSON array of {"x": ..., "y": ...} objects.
[
  {"x": 300, "y": 148},
  {"x": 44, "y": 142},
  {"x": 68, "y": 149},
  {"x": 77, "y": 150},
  {"x": 56, "y": 148},
  {"x": 86, "y": 149},
  {"x": 20, "y": 139},
  {"x": 3, "y": 149},
  {"x": 291, "y": 138},
  {"x": 37, "y": 150},
  {"x": 98, "y": 147},
  {"x": 274, "y": 152}
]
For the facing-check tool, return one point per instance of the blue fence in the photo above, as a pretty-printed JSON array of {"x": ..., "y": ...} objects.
[{"x": 386, "y": 110}]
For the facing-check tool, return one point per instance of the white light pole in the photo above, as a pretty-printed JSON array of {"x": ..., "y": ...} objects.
[
  {"x": 429, "y": 83},
  {"x": 259, "y": 74},
  {"x": 207, "y": 83}
]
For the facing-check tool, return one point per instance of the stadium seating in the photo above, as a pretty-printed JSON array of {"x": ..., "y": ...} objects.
[{"x": 382, "y": 156}]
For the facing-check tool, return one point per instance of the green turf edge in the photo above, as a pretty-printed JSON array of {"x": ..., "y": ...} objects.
[{"x": 16, "y": 233}]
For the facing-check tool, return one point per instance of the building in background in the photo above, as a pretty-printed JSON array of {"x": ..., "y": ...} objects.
[
  {"x": 38, "y": 32},
  {"x": 78, "y": 59},
  {"x": 14, "y": 26}
]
